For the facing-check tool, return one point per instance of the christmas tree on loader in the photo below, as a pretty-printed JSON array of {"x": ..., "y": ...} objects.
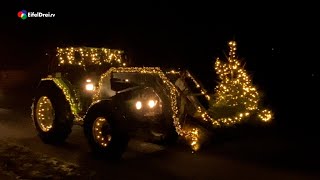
[{"x": 236, "y": 98}]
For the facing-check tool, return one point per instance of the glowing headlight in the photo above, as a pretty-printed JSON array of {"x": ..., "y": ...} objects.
[
  {"x": 147, "y": 103},
  {"x": 152, "y": 103},
  {"x": 138, "y": 105},
  {"x": 89, "y": 87}
]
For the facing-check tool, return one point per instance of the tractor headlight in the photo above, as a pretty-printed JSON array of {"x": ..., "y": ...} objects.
[
  {"x": 89, "y": 85},
  {"x": 138, "y": 105},
  {"x": 152, "y": 103},
  {"x": 148, "y": 103}
]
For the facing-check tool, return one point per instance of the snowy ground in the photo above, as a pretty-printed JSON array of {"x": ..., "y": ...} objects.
[{"x": 22, "y": 163}]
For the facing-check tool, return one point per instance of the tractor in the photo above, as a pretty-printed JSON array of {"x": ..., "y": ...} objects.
[{"x": 94, "y": 88}]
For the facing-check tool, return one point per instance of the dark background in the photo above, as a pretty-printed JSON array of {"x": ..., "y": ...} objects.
[{"x": 278, "y": 43}]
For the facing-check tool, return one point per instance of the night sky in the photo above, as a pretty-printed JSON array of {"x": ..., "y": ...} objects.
[{"x": 279, "y": 43}]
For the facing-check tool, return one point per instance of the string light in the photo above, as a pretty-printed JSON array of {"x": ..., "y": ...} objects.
[
  {"x": 204, "y": 116},
  {"x": 236, "y": 90},
  {"x": 72, "y": 97},
  {"x": 197, "y": 84},
  {"x": 173, "y": 72},
  {"x": 194, "y": 138},
  {"x": 83, "y": 56},
  {"x": 265, "y": 115}
]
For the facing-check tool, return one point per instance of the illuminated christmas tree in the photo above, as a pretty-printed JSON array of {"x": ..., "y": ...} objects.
[{"x": 235, "y": 97}]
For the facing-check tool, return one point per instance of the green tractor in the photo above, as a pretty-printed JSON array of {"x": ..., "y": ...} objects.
[{"x": 93, "y": 88}]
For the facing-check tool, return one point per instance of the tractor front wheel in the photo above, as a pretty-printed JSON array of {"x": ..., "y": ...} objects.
[{"x": 106, "y": 137}]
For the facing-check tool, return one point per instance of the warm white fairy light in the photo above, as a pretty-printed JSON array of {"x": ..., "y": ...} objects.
[
  {"x": 87, "y": 55},
  {"x": 265, "y": 115},
  {"x": 236, "y": 90},
  {"x": 72, "y": 97}
]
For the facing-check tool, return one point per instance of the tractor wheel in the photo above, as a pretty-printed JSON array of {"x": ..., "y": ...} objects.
[
  {"x": 51, "y": 114},
  {"x": 107, "y": 138}
]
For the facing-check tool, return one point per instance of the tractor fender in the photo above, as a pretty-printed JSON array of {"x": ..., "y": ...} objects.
[{"x": 70, "y": 96}]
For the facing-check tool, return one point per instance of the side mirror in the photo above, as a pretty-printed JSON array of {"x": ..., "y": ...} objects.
[{"x": 120, "y": 84}]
